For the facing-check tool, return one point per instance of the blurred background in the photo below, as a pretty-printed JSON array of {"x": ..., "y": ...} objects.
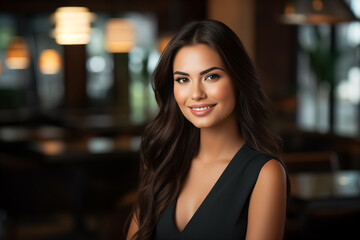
[{"x": 75, "y": 96}]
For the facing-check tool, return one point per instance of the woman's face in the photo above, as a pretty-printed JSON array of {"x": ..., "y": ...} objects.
[{"x": 202, "y": 88}]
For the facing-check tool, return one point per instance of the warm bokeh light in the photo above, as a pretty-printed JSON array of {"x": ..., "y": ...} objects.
[
  {"x": 318, "y": 5},
  {"x": 17, "y": 54},
  {"x": 316, "y": 12},
  {"x": 120, "y": 36},
  {"x": 50, "y": 62},
  {"x": 51, "y": 147},
  {"x": 72, "y": 25},
  {"x": 1, "y": 68},
  {"x": 163, "y": 42},
  {"x": 289, "y": 9}
]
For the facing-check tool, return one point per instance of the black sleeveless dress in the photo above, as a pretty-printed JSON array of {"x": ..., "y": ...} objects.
[{"x": 224, "y": 212}]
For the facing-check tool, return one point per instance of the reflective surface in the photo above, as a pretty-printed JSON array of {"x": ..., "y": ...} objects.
[{"x": 309, "y": 186}]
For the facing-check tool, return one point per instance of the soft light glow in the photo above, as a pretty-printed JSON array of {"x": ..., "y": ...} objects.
[
  {"x": 1, "y": 68},
  {"x": 317, "y": 12},
  {"x": 317, "y": 5},
  {"x": 355, "y": 6},
  {"x": 343, "y": 180},
  {"x": 17, "y": 54},
  {"x": 100, "y": 145},
  {"x": 353, "y": 34},
  {"x": 120, "y": 36},
  {"x": 96, "y": 64},
  {"x": 72, "y": 25},
  {"x": 289, "y": 9},
  {"x": 349, "y": 89},
  {"x": 163, "y": 42},
  {"x": 50, "y": 62},
  {"x": 52, "y": 147}
]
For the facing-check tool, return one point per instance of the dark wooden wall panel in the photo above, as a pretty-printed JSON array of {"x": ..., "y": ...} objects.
[{"x": 275, "y": 49}]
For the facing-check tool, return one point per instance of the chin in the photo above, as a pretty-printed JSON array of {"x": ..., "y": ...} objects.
[{"x": 202, "y": 124}]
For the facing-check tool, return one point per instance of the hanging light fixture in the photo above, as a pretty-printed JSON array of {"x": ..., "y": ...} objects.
[
  {"x": 120, "y": 36},
  {"x": 50, "y": 62},
  {"x": 317, "y": 12},
  {"x": 72, "y": 25},
  {"x": 17, "y": 54}
]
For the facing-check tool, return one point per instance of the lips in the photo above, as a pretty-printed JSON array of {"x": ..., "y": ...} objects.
[{"x": 201, "y": 109}]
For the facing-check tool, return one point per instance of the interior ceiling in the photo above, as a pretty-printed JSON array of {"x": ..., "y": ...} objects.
[
  {"x": 99, "y": 5},
  {"x": 166, "y": 10},
  {"x": 34, "y": 6}
]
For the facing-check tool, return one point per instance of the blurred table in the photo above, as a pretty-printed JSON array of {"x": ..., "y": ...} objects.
[
  {"x": 47, "y": 169},
  {"x": 327, "y": 190},
  {"x": 326, "y": 185},
  {"x": 326, "y": 204}
]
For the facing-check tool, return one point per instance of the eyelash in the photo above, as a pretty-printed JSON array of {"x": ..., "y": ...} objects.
[
  {"x": 183, "y": 80},
  {"x": 216, "y": 76}
]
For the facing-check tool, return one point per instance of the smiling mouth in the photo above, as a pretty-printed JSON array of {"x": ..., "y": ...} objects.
[{"x": 202, "y": 108}]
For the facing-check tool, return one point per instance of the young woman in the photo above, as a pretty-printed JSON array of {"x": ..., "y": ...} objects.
[{"x": 210, "y": 166}]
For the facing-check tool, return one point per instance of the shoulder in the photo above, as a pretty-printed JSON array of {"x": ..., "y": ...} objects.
[
  {"x": 264, "y": 165},
  {"x": 272, "y": 176},
  {"x": 272, "y": 170},
  {"x": 271, "y": 181},
  {"x": 256, "y": 157}
]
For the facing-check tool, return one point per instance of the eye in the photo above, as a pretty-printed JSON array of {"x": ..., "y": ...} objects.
[
  {"x": 181, "y": 80},
  {"x": 212, "y": 77}
]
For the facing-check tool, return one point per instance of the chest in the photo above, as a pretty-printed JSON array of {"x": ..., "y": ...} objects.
[
  {"x": 199, "y": 182},
  {"x": 222, "y": 214}
]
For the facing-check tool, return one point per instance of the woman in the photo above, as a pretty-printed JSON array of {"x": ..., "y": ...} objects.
[{"x": 210, "y": 167}]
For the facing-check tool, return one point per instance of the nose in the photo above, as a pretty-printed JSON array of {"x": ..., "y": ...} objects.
[{"x": 198, "y": 91}]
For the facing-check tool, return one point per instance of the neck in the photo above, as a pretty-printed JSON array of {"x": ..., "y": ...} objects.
[{"x": 220, "y": 142}]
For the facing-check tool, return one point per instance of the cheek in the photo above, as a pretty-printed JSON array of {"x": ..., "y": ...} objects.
[
  {"x": 179, "y": 95},
  {"x": 224, "y": 92}
]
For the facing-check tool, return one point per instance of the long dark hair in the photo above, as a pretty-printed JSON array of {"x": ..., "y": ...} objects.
[{"x": 170, "y": 141}]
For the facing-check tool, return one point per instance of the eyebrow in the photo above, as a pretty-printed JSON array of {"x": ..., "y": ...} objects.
[{"x": 201, "y": 73}]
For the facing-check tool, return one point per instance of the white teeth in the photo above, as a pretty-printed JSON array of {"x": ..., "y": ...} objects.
[{"x": 201, "y": 109}]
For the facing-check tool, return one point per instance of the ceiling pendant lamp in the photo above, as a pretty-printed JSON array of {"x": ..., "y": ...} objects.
[
  {"x": 17, "y": 55},
  {"x": 317, "y": 12},
  {"x": 120, "y": 35},
  {"x": 72, "y": 25}
]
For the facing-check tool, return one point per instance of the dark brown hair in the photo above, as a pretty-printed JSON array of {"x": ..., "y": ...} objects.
[{"x": 170, "y": 141}]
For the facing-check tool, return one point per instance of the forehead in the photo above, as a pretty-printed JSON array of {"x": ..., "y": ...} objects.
[{"x": 196, "y": 58}]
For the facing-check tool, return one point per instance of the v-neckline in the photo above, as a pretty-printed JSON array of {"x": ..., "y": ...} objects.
[{"x": 173, "y": 210}]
